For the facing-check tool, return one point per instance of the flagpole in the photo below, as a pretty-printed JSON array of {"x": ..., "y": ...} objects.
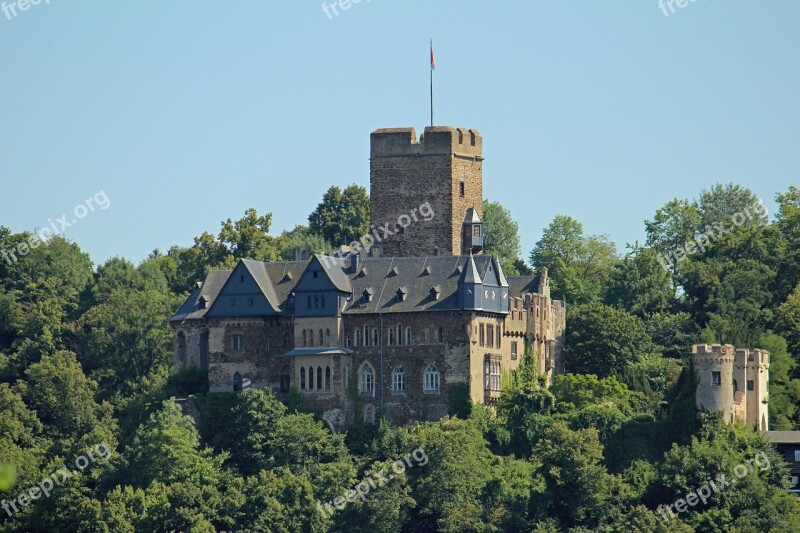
[{"x": 431, "y": 83}]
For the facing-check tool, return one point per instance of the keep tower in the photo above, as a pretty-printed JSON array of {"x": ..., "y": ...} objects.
[{"x": 443, "y": 169}]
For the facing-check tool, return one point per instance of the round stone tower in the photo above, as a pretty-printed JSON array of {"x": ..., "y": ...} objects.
[{"x": 713, "y": 365}]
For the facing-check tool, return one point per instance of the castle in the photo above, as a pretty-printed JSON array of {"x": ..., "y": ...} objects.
[
  {"x": 415, "y": 321},
  {"x": 733, "y": 382}
]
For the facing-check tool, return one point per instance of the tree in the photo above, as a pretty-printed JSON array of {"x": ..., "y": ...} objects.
[
  {"x": 501, "y": 236},
  {"x": 640, "y": 285},
  {"x": 343, "y": 216},
  {"x": 787, "y": 319},
  {"x": 166, "y": 448},
  {"x": 579, "y": 265},
  {"x": 787, "y": 222},
  {"x": 673, "y": 226},
  {"x": 301, "y": 237},
  {"x": 602, "y": 340},
  {"x": 248, "y": 237}
]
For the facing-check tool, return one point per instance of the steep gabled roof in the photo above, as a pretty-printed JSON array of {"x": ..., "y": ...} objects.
[
  {"x": 471, "y": 274},
  {"x": 209, "y": 289}
]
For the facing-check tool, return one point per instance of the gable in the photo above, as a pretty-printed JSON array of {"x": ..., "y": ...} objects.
[{"x": 242, "y": 295}]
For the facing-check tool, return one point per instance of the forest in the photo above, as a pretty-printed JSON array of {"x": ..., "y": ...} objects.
[{"x": 91, "y": 439}]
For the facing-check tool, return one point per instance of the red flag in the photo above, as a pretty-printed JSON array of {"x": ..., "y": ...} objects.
[{"x": 433, "y": 61}]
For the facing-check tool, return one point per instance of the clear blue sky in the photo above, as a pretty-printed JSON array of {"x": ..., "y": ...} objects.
[{"x": 187, "y": 113}]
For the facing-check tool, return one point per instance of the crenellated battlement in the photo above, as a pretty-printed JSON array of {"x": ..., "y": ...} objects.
[{"x": 436, "y": 140}]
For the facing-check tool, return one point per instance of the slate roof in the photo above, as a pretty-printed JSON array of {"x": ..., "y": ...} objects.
[
  {"x": 517, "y": 285},
  {"x": 382, "y": 277},
  {"x": 783, "y": 437},
  {"x": 209, "y": 288}
]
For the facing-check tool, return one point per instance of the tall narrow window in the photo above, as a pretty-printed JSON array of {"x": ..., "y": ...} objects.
[
  {"x": 327, "y": 378},
  {"x": 311, "y": 378},
  {"x": 481, "y": 337},
  {"x": 305, "y": 338},
  {"x": 489, "y": 336},
  {"x": 399, "y": 334},
  {"x": 316, "y": 302},
  {"x": 367, "y": 382},
  {"x": 374, "y": 336},
  {"x": 398, "y": 380},
  {"x": 390, "y": 337},
  {"x": 302, "y": 378},
  {"x": 408, "y": 336},
  {"x": 319, "y": 378},
  {"x": 327, "y": 337},
  {"x": 461, "y": 189},
  {"x": 321, "y": 339},
  {"x": 355, "y": 338},
  {"x": 322, "y": 301},
  {"x": 366, "y": 335},
  {"x": 497, "y": 336},
  {"x": 431, "y": 379}
]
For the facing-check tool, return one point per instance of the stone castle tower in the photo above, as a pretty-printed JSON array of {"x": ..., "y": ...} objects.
[
  {"x": 442, "y": 168},
  {"x": 734, "y": 382}
]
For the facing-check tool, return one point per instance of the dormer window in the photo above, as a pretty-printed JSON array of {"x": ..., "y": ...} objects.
[
  {"x": 241, "y": 279},
  {"x": 434, "y": 293},
  {"x": 367, "y": 295},
  {"x": 202, "y": 302},
  {"x": 401, "y": 295}
]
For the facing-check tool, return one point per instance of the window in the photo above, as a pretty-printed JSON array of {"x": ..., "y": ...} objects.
[
  {"x": 321, "y": 339},
  {"x": 311, "y": 378},
  {"x": 513, "y": 351},
  {"x": 319, "y": 378},
  {"x": 327, "y": 337},
  {"x": 367, "y": 382},
  {"x": 497, "y": 336},
  {"x": 716, "y": 379},
  {"x": 408, "y": 336},
  {"x": 750, "y": 384},
  {"x": 398, "y": 380},
  {"x": 441, "y": 335},
  {"x": 374, "y": 336},
  {"x": 327, "y": 378},
  {"x": 355, "y": 338},
  {"x": 481, "y": 336},
  {"x": 241, "y": 279},
  {"x": 399, "y": 334},
  {"x": 390, "y": 337},
  {"x": 237, "y": 342},
  {"x": 750, "y": 357},
  {"x": 302, "y": 378},
  {"x": 431, "y": 379},
  {"x": 489, "y": 335},
  {"x": 797, "y": 456},
  {"x": 461, "y": 189},
  {"x": 316, "y": 301},
  {"x": 305, "y": 338},
  {"x": 366, "y": 336},
  {"x": 315, "y": 274},
  {"x": 794, "y": 481},
  {"x": 476, "y": 230}
]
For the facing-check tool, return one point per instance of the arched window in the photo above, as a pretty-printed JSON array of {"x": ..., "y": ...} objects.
[
  {"x": 374, "y": 336},
  {"x": 327, "y": 337},
  {"x": 319, "y": 378},
  {"x": 390, "y": 337},
  {"x": 321, "y": 338},
  {"x": 431, "y": 379},
  {"x": 302, "y": 378},
  {"x": 327, "y": 378},
  {"x": 311, "y": 378},
  {"x": 367, "y": 380},
  {"x": 237, "y": 382},
  {"x": 398, "y": 380},
  {"x": 408, "y": 336},
  {"x": 355, "y": 338},
  {"x": 305, "y": 339},
  {"x": 180, "y": 350},
  {"x": 366, "y": 335}
]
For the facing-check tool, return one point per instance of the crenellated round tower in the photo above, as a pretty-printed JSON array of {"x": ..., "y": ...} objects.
[{"x": 713, "y": 365}]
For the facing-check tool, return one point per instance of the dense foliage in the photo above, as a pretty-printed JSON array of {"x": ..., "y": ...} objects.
[{"x": 85, "y": 365}]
